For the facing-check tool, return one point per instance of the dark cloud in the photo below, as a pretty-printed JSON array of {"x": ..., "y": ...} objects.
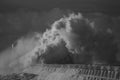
[
  {"x": 57, "y": 55},
  {"x": 95, "y": 35},
  {"x": 98, "y": 39}
]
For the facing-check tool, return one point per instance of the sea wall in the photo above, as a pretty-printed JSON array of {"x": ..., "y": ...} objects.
[{"x": 75, "y": 72}]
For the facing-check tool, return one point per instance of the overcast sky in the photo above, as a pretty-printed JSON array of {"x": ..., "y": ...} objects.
[
  {"x": 13, "y": 26},
  {"x": 78, "y": 5},
  {"x": 104, "y": 6}
]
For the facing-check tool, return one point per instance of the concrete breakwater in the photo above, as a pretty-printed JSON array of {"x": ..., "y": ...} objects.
[{"x": 75, "y": 72}]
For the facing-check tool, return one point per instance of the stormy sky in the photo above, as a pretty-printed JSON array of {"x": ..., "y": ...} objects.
[
  {"x": 110, "y": 7},
  {"x": 105, "y": 6},
  {"x": 16, "y": 23}
]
